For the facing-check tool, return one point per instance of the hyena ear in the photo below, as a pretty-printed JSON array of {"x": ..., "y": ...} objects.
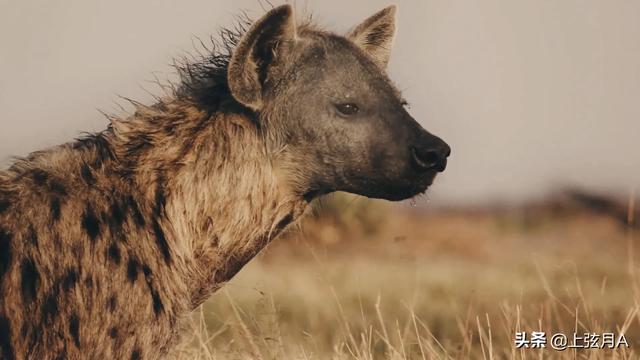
[
  {"x": 375, "y": 35},
  {"x": 256, "y": 52}
]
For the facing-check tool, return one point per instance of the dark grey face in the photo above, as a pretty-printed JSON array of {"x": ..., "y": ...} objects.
[
  {"x": 328, "y": 100},
  {"x": 344, "y": 113}
]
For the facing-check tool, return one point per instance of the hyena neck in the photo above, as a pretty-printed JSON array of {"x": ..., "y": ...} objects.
[{"x": 225, "y": 193}]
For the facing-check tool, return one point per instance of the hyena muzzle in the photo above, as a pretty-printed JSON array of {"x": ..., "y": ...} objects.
[{"x": 108, "y": 242}]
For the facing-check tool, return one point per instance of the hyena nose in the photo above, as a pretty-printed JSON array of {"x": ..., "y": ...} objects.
[{"x": 431, "y": 156}]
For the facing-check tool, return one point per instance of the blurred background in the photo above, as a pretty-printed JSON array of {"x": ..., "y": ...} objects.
[{"x": 531, "y": 226}]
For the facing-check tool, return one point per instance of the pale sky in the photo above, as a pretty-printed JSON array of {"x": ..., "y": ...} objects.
[{"x": 530, "y": 94}]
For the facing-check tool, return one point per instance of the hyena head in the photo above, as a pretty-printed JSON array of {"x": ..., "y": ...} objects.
[{"x": 328, "y": 99}]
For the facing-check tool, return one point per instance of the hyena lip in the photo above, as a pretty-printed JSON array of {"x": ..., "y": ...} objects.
[
  {"x": 399, "y": 193},
  {"x": 422, "y": 185}
]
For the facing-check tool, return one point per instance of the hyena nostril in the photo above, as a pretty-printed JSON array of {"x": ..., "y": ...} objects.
[{"x": 429, "y": 159}]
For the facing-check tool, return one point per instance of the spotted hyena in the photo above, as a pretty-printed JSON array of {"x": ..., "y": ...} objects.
[{"x": 108, "y": 242}]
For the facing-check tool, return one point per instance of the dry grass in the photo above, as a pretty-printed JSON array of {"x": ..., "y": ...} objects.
[{"x": 434, "y": 285}]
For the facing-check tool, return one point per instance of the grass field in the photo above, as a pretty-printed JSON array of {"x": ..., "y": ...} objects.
[{"x": 369, "y": 280}]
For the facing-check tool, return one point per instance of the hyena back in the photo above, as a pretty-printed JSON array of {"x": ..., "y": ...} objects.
[{"x": 108, "y": 242}]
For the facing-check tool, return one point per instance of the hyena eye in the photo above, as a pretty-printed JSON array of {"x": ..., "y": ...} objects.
[{"x": 347, "y": 109}]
